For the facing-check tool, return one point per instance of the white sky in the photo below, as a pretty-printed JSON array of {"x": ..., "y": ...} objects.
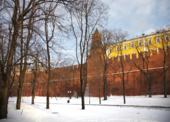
[{"x": 138, "y": 16}]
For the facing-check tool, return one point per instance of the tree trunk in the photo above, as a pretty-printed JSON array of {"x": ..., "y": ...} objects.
[
  {"x": 3, "y": 101},
  {"x": 4, "y": 82},
  {"x": 82, "y": 86},
  {"x": 19, "y": 94},
  {"x": 23, "y": 68},
  {"x": 48, "y": 39},
  {"x": 33, "y": 91},
  {"x": 34, "y": 80},
  {"x": 99, "y": 90},
  {"x": 49, "y": 77},
  {"x": 149, "y": 84},
  {"x": 165, "y": 83},
  {"x": 47, "y": 98},
  {"x": 165, "y": 64},
  {"x": 123, "y": 83},
  {"x": 105, "y": 87},
  {"x": 82, "y": 94},
  {"x": 48, "y": 80},
  {"x": 20, "y": 86},
  {"x": 123, "y": 78},
  {"x": 165, "y": 71}
]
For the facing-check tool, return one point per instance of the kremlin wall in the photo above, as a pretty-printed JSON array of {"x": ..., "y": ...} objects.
[{"x": 143, "y": 59}]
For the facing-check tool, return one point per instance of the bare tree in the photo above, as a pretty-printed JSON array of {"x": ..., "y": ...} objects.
[
  {"x": 15, "y": 15},
  {"x": 119, "y": 38},
  {"x": 24, "y": 47},
  {"x": 15, "y": 21},
  {"x": 85, "y": 16},
  {"x": 144, "y": 52},
  {"x": 4, "y": 43},
  {"x": 35, "y": 70},
  {"x": 165, "y": 47},
  {"x": 107, "y": 39},
  {"x": 49, "y": 20},
  {"x": 37, "y": 62}
]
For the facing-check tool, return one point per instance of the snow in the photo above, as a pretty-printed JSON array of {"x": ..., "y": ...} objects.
[{"x": 137, "y": 109}]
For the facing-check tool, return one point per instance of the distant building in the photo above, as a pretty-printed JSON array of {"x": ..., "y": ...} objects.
[{"x": 145, "y": 43}]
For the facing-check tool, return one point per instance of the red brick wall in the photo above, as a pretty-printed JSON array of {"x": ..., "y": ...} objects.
[
  {"x": 67, "y": 78},
  {"x": 135, "y": 83}
]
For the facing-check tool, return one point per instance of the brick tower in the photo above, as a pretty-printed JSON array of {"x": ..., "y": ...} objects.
[{"x": 95, "y": 66}]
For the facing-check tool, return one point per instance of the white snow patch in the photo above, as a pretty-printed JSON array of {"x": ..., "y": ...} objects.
[{"x": 61, "y": 111}]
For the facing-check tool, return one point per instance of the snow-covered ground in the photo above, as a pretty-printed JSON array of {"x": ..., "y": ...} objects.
[{"x": 137, "y": 109}]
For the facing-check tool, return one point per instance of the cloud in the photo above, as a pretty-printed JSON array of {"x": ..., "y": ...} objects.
[
  {"x": 138, "y": 16},
  {"x": 149, "y": 31}
]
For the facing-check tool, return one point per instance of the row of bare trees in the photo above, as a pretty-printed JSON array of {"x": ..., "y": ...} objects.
[
  {"x": 28, "y": 30},
  {"x": 144, "y": 51},
  {"x": 162, "y": 40}
]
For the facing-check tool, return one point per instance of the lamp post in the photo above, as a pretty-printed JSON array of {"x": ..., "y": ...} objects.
[{"x": 69, "y": 95}]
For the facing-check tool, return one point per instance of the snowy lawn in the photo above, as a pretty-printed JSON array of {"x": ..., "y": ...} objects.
[{"x": 136, "y": 110}]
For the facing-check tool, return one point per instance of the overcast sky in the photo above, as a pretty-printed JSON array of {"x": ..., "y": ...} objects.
[
  {"x": 138, "y": 16},
  {"x": 134, "y": 16}
]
